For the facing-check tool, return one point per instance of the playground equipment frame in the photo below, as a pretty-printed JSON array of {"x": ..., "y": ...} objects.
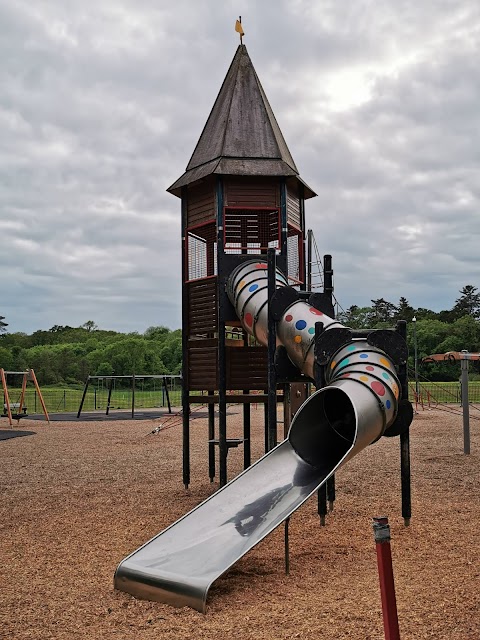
[
  {"x": 133, "y": 378},
  {"x": 28, "y": 374}
]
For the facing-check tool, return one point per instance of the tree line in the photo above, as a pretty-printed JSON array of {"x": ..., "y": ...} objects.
[
  {"x": 433, "y": 332},
  {"x": 66, "y": 355}
]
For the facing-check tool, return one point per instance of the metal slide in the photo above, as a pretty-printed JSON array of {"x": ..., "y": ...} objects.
[{"x": 179, "y": 565}]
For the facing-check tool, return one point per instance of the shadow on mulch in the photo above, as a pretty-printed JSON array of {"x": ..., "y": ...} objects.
[
  {"x": 6, "y": 434},
  {"x": 100, "y": 417},
  {"x": 118, "y": 415}
]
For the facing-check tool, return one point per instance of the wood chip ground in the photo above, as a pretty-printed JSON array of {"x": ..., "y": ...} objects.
[{"x": 76, "y": 498}]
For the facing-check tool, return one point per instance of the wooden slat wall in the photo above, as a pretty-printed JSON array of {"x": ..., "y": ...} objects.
[
  {"x": 201, "y": 205},
  {"x": 203, "y": 365},
  {"x": 202, "y": 306},
  {"x": 247, "y": 368},
  {"x": 252, "y": 192},
  {"x": 293, "y": 206}
]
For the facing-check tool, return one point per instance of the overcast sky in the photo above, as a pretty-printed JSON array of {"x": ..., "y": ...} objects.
[{"x": 102, "y": 103}]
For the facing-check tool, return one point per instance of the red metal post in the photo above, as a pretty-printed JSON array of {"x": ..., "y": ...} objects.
[{"x": 381, "y": 532}]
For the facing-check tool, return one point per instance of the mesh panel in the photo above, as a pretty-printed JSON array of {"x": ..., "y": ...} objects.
[
  {"x": 251, "y": 230},
  {"x": 202, "y": 251},
  {"x": 294, "y": 255}
]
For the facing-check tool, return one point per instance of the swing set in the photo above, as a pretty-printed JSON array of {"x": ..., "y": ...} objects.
[
  {"x": 19, "y": 405},
  {"x": 110, "y": 383}
]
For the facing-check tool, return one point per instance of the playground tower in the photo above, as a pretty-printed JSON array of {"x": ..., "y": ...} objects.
[
  {"x": 244, "y": 329},
  {"x": 241, "y": 194}
]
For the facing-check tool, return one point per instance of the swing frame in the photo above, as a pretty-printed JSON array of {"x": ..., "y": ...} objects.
[{"x": 28, "y": 374}]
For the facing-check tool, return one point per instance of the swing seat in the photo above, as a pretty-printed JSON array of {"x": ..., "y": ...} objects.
[{"x": 14, "y": 405}]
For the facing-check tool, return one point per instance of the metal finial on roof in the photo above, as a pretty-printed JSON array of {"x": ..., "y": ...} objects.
[{"x": 239, "y": 28}]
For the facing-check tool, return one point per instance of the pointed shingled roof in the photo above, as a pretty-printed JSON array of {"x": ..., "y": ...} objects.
[{"x": 241, "y": 135}]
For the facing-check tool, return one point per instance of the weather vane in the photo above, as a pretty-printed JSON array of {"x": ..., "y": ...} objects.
[{"x": 239, "y": 28}]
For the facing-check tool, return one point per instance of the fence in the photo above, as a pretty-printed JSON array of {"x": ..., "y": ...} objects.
[
  {"x": 432, "y": 393},
  {"x": 68, "y": 399}
]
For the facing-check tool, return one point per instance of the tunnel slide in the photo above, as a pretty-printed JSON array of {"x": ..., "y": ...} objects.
[{"x": 179, "y": 565}]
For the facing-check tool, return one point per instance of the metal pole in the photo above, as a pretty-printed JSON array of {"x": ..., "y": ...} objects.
[
  {"x": 465, "y": 405},
  {"x": 246, "y": 433},
  {"x": 133, "y": 396},
  {"x": 322, "y": 503},
  {"x": 87, "y": 382},
  {"x": 185, "y": 352},
  {"x": 109, "y": 398},
  {"x": 331, "y": 492},
  {"x": 414, "y": 320},
  {"x": 211, "y": 438},
  {"x": 222, "y": 347},
  {"x": 381, "y": 532},
  {"x": 287, "y": 547},
  {"x": 165, "y": 389},
  {"x": 405, "y": 477},
  {"x": 272, "y": 344}
]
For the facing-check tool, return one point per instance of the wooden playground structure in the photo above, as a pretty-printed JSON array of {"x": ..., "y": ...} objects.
[{"x": 19, "y": 405}]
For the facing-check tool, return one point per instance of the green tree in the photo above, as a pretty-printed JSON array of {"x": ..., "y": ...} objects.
[
  {"x": 3, "y": 324},
  {"x": 468, "y": 304},
  {"x": 404, "y": 310},
  {"x": 6, "y": 359},
  {"x": 356, "y": 317},
  {"x": 89, "y": 325},
  {"x": 383, "y": 312},
  {"x": 104, "y": 369},
  {"x": 156, "y": 333}
]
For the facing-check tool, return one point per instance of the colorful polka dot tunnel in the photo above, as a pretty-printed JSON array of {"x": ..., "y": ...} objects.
[{"x": 360, "y": 377}]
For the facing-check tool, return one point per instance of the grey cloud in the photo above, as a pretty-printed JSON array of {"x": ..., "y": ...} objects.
[{"x": 101, "y": 105}]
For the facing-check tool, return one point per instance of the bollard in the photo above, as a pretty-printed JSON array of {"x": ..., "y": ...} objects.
[{"x": 381, "y": 532}]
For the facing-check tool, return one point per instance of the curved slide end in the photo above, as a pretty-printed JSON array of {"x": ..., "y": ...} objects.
[
  {"x": 168, "y": 588},
  {"x": 336, "y": 423}
]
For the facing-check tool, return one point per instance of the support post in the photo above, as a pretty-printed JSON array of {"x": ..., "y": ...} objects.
[
  {"x": 287, "y": 408},
  {"x": 222, "y": 348},
  {"x": 211, "y": 438},
  {"x": 405, "y": 476},
  {"x": 331, "y": 492},
  {"x": 133, "y": 395},
  {"x": 405, "y": 473},
  {"x": 319, "y": 383},
  {"x": 272, "y": 343},
  {"x": 287, "y": 547},
  {"x": 247, "y": 460},
  {"x": 110, "y": 387},
  {"x": 22, "y": 394},
  {"x": 381, "y": 532},
  {"x": 185, "y": 360},
  {"x": 84, "y": 395},
  {"x": 185, "y": 432},
  {"x": 37, "y": 388},
  {"x": 7, "y": 399},
  {"x": 265, "y": 414},
  {"x": 465, "y": 404},
  {"x": 322, "y": 503},
  {"x": 165, "y": 387}
]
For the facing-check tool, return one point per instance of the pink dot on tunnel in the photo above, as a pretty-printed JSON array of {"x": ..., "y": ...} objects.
[{"x": 378, "y": 388}]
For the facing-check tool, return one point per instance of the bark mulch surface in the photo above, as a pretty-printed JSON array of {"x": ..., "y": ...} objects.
[{"x": 78, "y": 497}]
